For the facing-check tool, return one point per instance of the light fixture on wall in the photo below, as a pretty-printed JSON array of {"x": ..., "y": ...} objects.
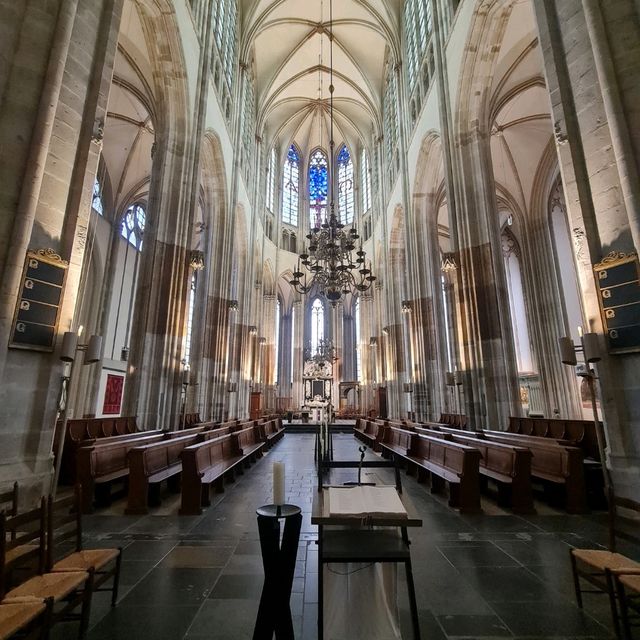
[
  {"x": 406, "y": 306},
  {"x": 92, "y": 353},
  {"x": 334, "y": 265},
  {"x": 233, "y": 305},
  {"x": 253, "y": 330},
  {"x": 92, "y": 350},
  {"x": 590, "y": 349},
  {"x": 196, "y": 260},
  {"x": 448, "y": 263}
]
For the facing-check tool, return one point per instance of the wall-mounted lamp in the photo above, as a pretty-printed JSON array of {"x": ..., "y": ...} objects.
[
  {"x": 406, "y": 306},
  {"x": 92, "y": 350},
  {"x": 233, "y": 305},
  {"x": 92, "y": 353},
  {"x": 232, "y": 387},
  {"x": 196, "y": 260},
  {"x": 124, "y": 354},
  {"x": 591, "y": 353},
  {"x": 373, "y": 341},
  {"x": 253, "y": 330},
  {"x": 262, "y": 341},
  {"x": 588, "y": 347},
  {"x": 385, "y": 330},
  {"x": 448, "y": 263}
]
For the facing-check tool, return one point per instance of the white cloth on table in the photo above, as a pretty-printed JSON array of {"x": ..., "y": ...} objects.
[{"x": 360, "y": 601}]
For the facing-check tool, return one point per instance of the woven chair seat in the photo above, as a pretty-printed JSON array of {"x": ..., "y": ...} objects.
[
  {"x": 600, "y": 559},
  {"x": 631, "y": 581},
  {"x": 17, "y": 615},
  {"x": 86, "y": 559},
  {"x": 17, "y": 552},
  {"x": 49, "y": 585}
]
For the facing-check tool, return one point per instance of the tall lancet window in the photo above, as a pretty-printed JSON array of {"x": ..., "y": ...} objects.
[
  {"x": 356, "y": 321},
  {"x": 290, "y": 185},
  {"x": 318, "y": 187},
  {"x": 317, "y": 325},
  {"x": 271, "y": 180},
  {"x": 276, "y": 346},
  {"x": 345, "y": 186},
  {"x": 132, "y": 227},
  {"x": 365, "y": 179}
]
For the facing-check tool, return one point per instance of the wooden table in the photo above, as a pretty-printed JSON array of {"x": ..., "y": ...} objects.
[{"x": 359, "y": 541}]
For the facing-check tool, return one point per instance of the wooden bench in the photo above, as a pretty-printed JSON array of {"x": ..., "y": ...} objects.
[
  {"x": 451, "y": 462},
  {"x": 396, "y": 441},
  {"x": 100, "y": 464},
  {"x": 80, "y": 430},
  {"x": 272, "y": 431},
  {"x": 454, "y": 420},
  {"x": 149, "y": 465},
  {"x": 250, "y": 442},
  {"x": 204, "y": 464},
  {"x": 551, "y": 461},
  {"x": 509, "y": 466},
  {"x": 580, "y": 432}
]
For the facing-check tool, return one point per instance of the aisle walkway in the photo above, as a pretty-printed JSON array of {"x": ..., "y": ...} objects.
[{"x": 492, "y": 575}]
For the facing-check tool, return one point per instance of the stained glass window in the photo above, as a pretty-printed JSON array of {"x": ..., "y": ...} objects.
[
  {"x": 318, "y": 187},
  {"x": 345, "y": 186},
  {"x": 290, "y": 187},
  {"x": 96, "y": 203},
  {"x": 133, "y": 225}
]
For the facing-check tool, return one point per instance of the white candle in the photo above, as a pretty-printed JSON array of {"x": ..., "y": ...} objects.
[{"x": 278, "y": 483}]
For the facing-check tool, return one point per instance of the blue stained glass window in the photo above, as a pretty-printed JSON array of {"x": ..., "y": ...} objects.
[
  {"x": 345, "y": 186},
  {"x": 290, "y": 187},
  {"x": 318, "y": 187}
]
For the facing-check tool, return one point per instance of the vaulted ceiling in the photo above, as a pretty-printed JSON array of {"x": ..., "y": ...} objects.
[{"x": 289, "y": 44}]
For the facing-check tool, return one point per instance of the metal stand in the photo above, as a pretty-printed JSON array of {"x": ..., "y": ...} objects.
[{"x": 279, "y": 561}]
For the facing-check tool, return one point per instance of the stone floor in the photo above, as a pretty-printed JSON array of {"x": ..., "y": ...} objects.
[{"x": 494, "y": 575}]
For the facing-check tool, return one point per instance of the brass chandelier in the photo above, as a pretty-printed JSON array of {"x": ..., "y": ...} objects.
[{"x": 333, "y": 267}]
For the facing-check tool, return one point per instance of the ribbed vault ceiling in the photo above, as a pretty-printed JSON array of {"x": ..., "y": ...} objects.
[{"x": 288, "y": 41}]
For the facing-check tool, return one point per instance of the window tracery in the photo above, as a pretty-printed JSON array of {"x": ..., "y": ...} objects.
[
  {"x": 133, "y": 223},
  {"x": 318, "y": 187},
  {"x": 290, "y": 186}
]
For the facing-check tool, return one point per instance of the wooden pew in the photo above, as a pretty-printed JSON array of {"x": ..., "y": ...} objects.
[
  {"x": 553, "y": 462},
  {"x": 100, "y": 464},
  {"x": 204, "y": 464},
  {"x": 372, "y": 434},
  {"x": 149, "y": 465},
  {"x": 509, "y": 465},
  {"x": 581, "y": 432},
  {"x": 80, "y": 430},
  {"x": 250, "y": 442},
  {"x": 272, "y": 431},
  {"x": 451, "y": 462}
]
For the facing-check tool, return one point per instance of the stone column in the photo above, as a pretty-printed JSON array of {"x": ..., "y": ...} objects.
[
  {"x": 57, "y": 62},
  {"x": 590, "y": 55},
  {"x": 298, "y": 348}
]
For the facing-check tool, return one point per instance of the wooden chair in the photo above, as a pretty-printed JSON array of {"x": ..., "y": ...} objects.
[
  {"x": 31, "y": 619},
  {"x": 604, "y": 570},
  {"x": 9, "y": 501},
  {"x": 64, "y": 526},
  {"x": 67, "y": 590},
  {"x": 628, "y": 590}
]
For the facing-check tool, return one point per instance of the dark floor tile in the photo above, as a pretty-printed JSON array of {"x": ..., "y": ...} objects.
[
  {"x": 173, "y": 587},
  {"x": 224, "y": 620},
  {"x": 507, "y": 584},
  {"x": 245, "y": 564},
  {"x": 474, "y": 626},
  {"x": 150, "y": 550},
  {"x": 197, "y": 557},
  {"x": 132, "y": 571},
  {"x": 549, "y": 620},
  {"x": 237, "y": 587},
  {"x": 472, "y": 556},
  {"x": 159, "y": 623}
]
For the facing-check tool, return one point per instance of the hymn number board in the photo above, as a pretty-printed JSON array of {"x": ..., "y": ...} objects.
[
  {"x": 36, "y": 317},
  {"x": 618, "y": 282}
]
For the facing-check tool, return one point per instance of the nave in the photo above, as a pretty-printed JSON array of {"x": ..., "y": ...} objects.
[{"x": 482, "y": 576}]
